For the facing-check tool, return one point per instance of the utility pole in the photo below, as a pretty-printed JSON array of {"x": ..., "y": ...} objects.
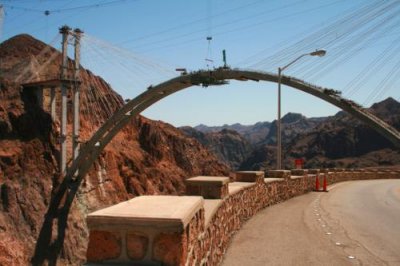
[
  {"x": 278, "y": 125},
  {"x": 65, "y": 30},
  {"x": 76, "y": 111},
  {"x": 278, "y": 121}
]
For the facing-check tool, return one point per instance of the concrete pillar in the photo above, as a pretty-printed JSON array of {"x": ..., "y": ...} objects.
[
  {"x": 53, "y": 103},
  {"x": 146, "y": 230},
  {"x": 63, "y": 140},
  {"x": 76, "y": 111},
  {"x": 299, "y": 172},
  {"x": 63, "y": 160},
  {"x": 279, "y": 174},
  {"x": 209, "y": 187},
  {"x": 249, "y": 176}
]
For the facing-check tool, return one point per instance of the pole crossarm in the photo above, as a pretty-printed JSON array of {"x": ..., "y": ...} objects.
[{"x": 91, "y": 150}]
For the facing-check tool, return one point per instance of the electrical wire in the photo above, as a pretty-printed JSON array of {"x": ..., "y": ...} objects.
[
  {"x": 69, "y": 9},
  {"x": 178, "y": 42},
  {"x": 189, "y": 23},
  {"x": 28, "y": 73},
  {"x": 320, "y": 37}
]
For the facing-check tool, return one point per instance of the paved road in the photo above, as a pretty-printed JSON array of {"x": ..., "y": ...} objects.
[{"x": 356, "y": 223}]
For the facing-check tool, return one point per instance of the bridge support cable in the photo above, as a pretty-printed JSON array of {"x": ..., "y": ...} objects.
[
  {"x": 344, "y": 38},
  {"x": 127, "y": 68},
  {"x": 350, "y": 45},
  {"x": 353, "y": 46},
  {"x": 385, "y": 85},
  {"x": 97, "y": 104},
  {"x": 42, "y": 61},
  {"x": 372, "y": 68},
  {"x": 322, "y": 37}
]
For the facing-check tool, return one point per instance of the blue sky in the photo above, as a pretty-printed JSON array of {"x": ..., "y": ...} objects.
[{"x": 159, "y": 36}]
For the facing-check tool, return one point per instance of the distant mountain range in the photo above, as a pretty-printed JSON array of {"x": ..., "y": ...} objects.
[
  {"x": 252, "y": 133},
  {"x": 228, "y": 145},
  {"x": 335, "y": 141}
]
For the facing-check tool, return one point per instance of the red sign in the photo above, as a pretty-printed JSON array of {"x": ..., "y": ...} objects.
[{"x": 299, "y": 163}]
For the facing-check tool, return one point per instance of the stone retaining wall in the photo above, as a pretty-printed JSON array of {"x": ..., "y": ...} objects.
[{"x": 204, "y": 240}]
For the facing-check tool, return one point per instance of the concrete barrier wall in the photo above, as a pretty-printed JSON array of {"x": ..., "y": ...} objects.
[{"x": 205, "y": 227}]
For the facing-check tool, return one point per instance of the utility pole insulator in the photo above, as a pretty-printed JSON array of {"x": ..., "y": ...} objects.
[{"x": 64, "y": 29}]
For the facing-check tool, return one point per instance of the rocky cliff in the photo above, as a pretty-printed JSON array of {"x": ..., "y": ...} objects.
[
  {"x": 345, "y": 142},
  {"x": 228, "y": 145},
  {"x": 146, "y": 157},
  {"x": 253, "y": 146},
  {"x": 337, "y": 141},
  {"x": 292, "y": 125}
]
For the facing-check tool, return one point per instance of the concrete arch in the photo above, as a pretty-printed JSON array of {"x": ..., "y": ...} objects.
[{"x": 92, "y": 149}]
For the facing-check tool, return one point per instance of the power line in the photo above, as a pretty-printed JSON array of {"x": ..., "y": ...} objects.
[
  {"x": 236, "y": 21},
  {"x": 319, "y": 38},
  {"x": 189, "y": 23},
  {"x": 62, "y": 10}
]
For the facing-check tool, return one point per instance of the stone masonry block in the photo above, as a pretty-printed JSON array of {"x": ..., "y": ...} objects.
[
  {"x": 314, "y": 171},
  {"x": 103, "y": 245},
  {"x": 249, "y": 176},
  {"x": 168, "y": 248},
  {"x": 136, "y": 245},
  {"x": 133, "y": 222},
  {"x": 299, "y": 172},
  {"x": 279, "y": 174},
  {"x": 172, "y": 212},
  {"x": 209, "y": 187}
]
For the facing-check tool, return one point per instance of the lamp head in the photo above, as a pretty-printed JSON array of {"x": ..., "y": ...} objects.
[{"x": 318, "y": 53}]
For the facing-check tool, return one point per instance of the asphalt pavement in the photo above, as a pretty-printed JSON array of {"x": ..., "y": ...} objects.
[{"x": 355, "y": 223}]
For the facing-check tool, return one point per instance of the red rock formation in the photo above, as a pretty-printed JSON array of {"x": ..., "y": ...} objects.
[
  {"x": 146, "y": 157},
  {"x": 228, "y": 145}
]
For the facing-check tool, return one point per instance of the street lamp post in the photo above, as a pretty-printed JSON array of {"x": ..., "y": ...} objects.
[{"x": 278, "y": 124}]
